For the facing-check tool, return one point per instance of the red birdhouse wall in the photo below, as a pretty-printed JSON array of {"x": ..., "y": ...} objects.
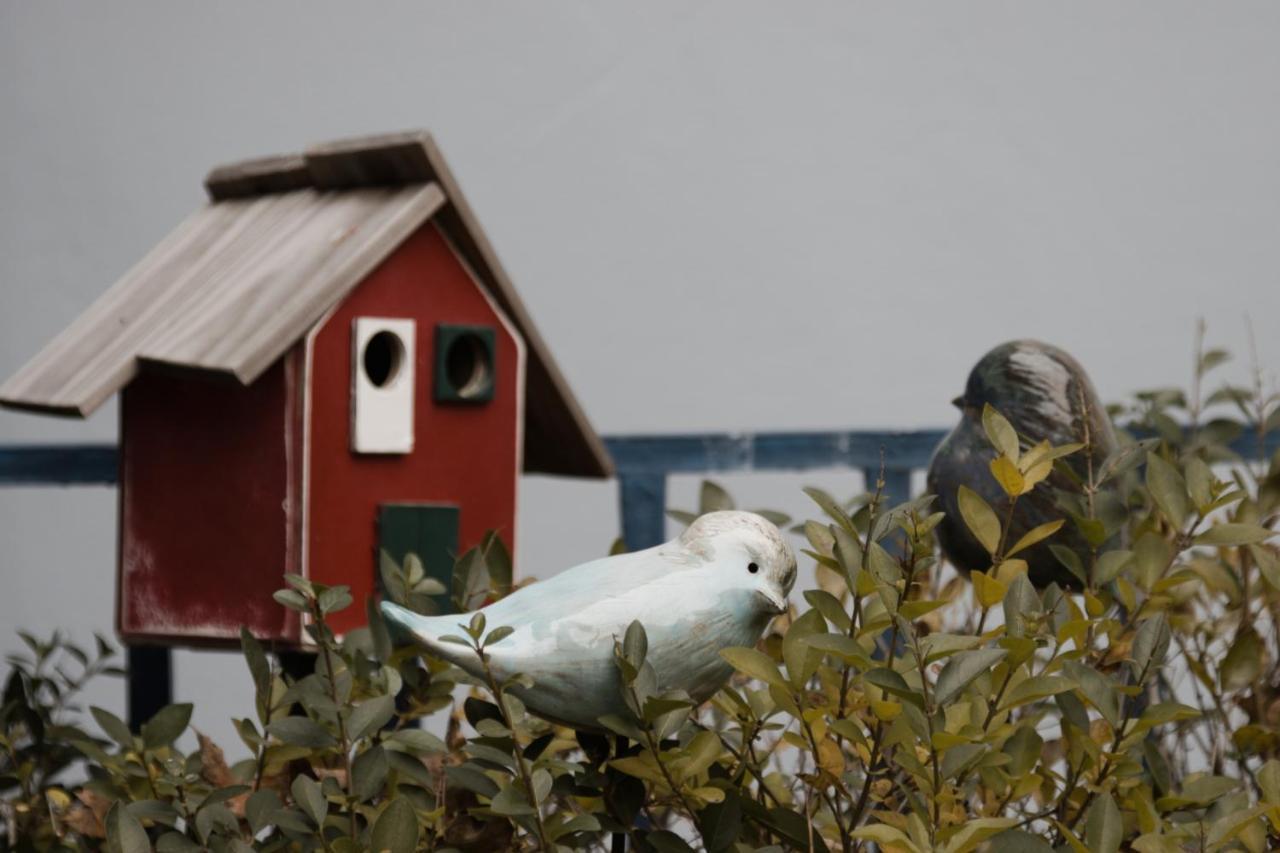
[
  {"x": 224, "y": 487},
  {"x": 465, "y": 454}
]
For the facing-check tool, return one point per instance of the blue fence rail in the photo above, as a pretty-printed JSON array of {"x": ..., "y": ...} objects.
[{"x": 644, "y": 462}]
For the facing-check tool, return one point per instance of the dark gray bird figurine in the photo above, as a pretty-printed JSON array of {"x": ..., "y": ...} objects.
[{"x": 1045, "y": 394}]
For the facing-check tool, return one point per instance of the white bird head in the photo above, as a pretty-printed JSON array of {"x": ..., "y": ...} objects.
[{"x": 748, "y": 550}]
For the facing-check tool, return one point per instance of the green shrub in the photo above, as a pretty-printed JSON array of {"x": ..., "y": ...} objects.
[{"x": 902, "y": 707}]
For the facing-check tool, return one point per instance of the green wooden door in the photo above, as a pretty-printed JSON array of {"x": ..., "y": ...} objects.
[{"x": 428, "y": 530}]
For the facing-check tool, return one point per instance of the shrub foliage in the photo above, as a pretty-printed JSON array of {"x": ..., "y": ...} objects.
[{"x": 902, "y": 707}]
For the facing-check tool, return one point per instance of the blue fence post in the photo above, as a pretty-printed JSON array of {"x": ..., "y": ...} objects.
[{"x": 643, "y": 497}]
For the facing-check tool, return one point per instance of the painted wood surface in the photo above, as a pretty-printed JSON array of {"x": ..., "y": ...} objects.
[
  {"x": 468, "y": 455},
  {"x": 210, "y": 476}
]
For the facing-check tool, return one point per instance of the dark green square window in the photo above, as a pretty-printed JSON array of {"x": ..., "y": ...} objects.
[
  {"x": 428, "y": 530},
  {"x": 466, "y": 366}
]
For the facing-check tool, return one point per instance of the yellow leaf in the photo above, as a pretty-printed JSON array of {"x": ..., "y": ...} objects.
[
  {"x": 1093, "y": 605},
  {"x": 1008, "y": 476},
  {"x": 1007, "y": 572},
  {"x": 887, "y": 711},
  {"x": 709, "y": 794},
  {"x": 946, "y": 740},
  {"x": 979, "y": 518},
  {"x": 830, "y": 757},
  {"x": 1000, "y": 432},
  {"x": 1034, "y": 474},
  {"x": 1036, "y": 454},
  {"x": 987, "y": 589},
  {"x": 1035, "y": 535},
  {"x": 641, "y": 766},
  {"x": 1070, "y": 837}
]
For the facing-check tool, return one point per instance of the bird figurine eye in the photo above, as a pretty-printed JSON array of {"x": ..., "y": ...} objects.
[{"x": 753, "y": 568}]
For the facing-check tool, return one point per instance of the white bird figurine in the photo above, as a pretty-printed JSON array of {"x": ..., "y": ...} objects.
[{"x": 716, "y": 585}]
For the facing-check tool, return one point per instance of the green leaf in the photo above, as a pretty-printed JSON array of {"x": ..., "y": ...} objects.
[
  {"x": 578, "y": 823},
  {"x": 256, "y": 658},
  {"x": 511, "y": 802},
  {"x": 1098, "y": 689},
  {"x": 830, "y": 608},
  {"x": 291, "y": 599},
  {"x": 370, "y": 715},
  {"x": 393, "y": 585},
  {"x": 308, "y": 797},
  {"x": 635, "y": 644},
  {"x": 665, "y": 841},
  {"x": 1267, "y": 563},
  {"x": 368, "y": 772},
  {"x": 1110, "y": 565},
  {"x": 176, "y": 842},
  {"x": 1070, "y": 560},
  {"x": 259, "y": 807},
  {"x": 961, "y": 670},
  {"x": 1150, "y": 645},
  {"x": 1018, "y": 841},
  {"x": 1244, "y": 660},
  {"x": 498, "y": 634},
  {"x": 333, "y": 599},
  {"x": 1269, "y": 781},
  {"x": 975, "y": 831},
  {"x": 1020, "y": 604},
  {"x": 721, "y": 823},
  {"x": 113, "y": 726},
  {"x": 1228, "y": 534},
  {"x": 1024, "y": 750},
  {"x": 301, "y": 731},
  {"x": 829, "y": 505},
  {"x": 980, "y": 519},
  {"x": 700, "y": 754},
  {"x": 396, "y": 829},
  {"x": 124, "y": 832},
  {"x": 1034, "y": 689},
  {"x": 884, "y": 835},
  {"x": 713, "y": 498},
  {"x": 801, "y": 659},
  {"x": 470, "y": 580},
  {"x": 754, "y": 663},
  {"x": 1123, "y": 459},
  {"x": 1152, "y": 556},
  {"x": 1167, "y": 489},
  {"x": 1104, "y": 827},
  {"x": 167, "y": 724},
  {"x": 417, "y": 741}
]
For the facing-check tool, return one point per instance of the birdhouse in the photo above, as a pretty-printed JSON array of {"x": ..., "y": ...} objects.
[{"x": 324, "y": 361}]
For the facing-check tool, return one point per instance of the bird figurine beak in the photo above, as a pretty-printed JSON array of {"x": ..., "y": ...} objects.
[
  {"x": 777, "y": 603},
  {"x": 958, "y": 402}
]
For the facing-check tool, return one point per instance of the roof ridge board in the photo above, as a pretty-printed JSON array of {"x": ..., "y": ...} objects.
[{"x": 391, "y": 159}]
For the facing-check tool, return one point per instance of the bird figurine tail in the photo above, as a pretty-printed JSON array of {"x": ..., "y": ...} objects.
[{"x": 426, "y": 631}]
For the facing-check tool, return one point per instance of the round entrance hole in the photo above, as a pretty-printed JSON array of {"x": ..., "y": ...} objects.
[
  {"x": 468, "y": 365},
  {"x": 382, "y": 357}
]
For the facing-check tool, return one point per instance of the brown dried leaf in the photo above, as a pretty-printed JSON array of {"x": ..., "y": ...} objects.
[{"x": 213, "y": 764}]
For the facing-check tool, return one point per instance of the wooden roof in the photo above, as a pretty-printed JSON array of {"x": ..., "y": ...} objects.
[{"x": 282, "y": 241}]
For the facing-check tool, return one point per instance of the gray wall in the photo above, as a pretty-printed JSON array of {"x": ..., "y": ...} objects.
[{"x": 722, "y": 215}]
